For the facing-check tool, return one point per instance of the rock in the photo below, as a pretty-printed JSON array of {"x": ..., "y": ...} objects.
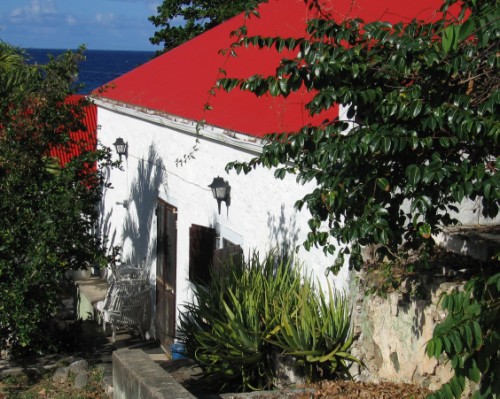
[
  {"x": 394, "y": 334},
  {"x": 395, "y": 361},
  {"x": 78, "y": 366},
  {"x": 61, "y": 375},
  {"x": 286, "y": 370},
  {"x": 81, "y": 379},
  {"x": 107, "y": 385}
]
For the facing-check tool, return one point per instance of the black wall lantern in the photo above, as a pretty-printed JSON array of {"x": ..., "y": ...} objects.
[
  {"x": 221, "y": 191},
  {"x": 121, "y": 147}
]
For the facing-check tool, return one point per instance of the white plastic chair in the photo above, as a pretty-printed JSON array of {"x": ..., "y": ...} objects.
[{"x": 127, "y": 302}]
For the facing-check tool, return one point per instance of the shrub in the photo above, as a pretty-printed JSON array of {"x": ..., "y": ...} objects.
[
  {"x": 253, "y": 309},
  {"x": 470, "y": 338},
  {"x": 317, "y": 331},
  {"x": 48, "y": 212}
]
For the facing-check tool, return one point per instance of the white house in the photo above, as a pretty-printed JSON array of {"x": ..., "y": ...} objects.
[{"x": 161, "y": 210}]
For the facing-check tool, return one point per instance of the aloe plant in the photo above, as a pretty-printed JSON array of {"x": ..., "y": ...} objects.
[
  {"x": 224, "y": 331},
  {"x": 257, "y": 308},
  {"x": 317, "y": 331}
]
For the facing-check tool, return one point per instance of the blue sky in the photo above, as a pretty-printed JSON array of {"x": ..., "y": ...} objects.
[{"x": 66, "y": 24}]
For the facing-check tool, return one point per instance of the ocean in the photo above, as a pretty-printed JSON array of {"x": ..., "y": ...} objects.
[{"x": 100, "y": 67}]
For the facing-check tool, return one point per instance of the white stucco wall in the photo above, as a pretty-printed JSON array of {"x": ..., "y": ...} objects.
[{"x": 260, "y": 217}]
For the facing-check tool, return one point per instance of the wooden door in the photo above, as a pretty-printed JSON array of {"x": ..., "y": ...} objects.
[{"x": 166, "y": 273}]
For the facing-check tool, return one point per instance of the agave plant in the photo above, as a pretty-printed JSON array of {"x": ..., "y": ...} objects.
[
  {"x": 317, "y": 331},
  {"x": 252, "y": 310},
  {"x": 224, "y": 332}
]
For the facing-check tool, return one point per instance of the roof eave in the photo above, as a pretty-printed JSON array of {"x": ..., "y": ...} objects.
[{"x": 233, "y": 139}]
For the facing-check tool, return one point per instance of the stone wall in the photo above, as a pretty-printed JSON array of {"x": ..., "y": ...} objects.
[
  {"x": 392, "y": 333},
  {"x": 137, "y": 376},
  {"x": 392, "y": 330}
]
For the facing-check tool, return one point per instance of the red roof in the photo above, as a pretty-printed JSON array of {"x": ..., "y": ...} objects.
[
  {"x": 82, "y": 139},
  {"x": 178, "y": 82}
]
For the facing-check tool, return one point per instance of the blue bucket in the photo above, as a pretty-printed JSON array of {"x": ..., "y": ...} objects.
[{"x": 178, "y": 351}]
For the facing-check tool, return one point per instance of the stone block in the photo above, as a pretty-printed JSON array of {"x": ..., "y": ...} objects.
[
  {"x": 137, "y": 376},
  {"x": 78, "y": 366},
  {"x": 81, "y": 379},
  {"x": 61, "y": 375}
]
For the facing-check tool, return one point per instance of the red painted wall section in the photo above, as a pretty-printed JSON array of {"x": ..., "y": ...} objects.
[
  {"x": 178, "y": 82},
  {"x": 88, "y": 138}
]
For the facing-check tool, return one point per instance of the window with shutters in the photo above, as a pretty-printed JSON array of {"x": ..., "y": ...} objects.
[
  {"x": 201, "y": 250},
  {"x": 205, "y": 256}
]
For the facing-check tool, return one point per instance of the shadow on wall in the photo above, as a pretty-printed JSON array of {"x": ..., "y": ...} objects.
[
  {"x": 480, "y": 241},
  {"x": 104, "y": 224},
  {"x": 142, "y": 206},
  {"x": 284, "y": 233}
]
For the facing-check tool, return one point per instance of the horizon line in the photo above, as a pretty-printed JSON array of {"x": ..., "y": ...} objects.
[{"x": 86, "y": 49}]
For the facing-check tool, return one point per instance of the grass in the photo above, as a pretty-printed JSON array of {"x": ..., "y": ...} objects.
[{"x": 36, "y": 387}]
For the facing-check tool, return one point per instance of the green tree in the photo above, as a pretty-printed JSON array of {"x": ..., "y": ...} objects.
[
  {"x": 424, "y": 98},
  {"x": 10, "y": 58},
  {"x": 470, "y": 337},
  {"x": 48, "y": 212},
  {"x": 181, "y": 20},
  {"x": 426, "y": 130}
]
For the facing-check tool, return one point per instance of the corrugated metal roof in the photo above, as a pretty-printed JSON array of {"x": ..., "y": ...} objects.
[
  {"x": 178, "y": 82},
  {"x": 83, "y": 140}
]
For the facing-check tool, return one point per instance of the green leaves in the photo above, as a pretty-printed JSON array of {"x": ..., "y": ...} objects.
[
  {"x": 450, "y": 38},
  {"x": 468, "y": 335},
  {"x": 48, "y": 212},
  {"x": 466, "y": 30},
  {"x": 197, "y": 16},
  {"x": 425, "y": 230},
  {"x": 256, "y": 309},
  {"x": 413, "y": 175},
  {"x": 318, "y": 332},
  {"x": 424, "y": 129},
  {"x": 422, "y": 100},
  {"x": 454, "y": 34}
]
